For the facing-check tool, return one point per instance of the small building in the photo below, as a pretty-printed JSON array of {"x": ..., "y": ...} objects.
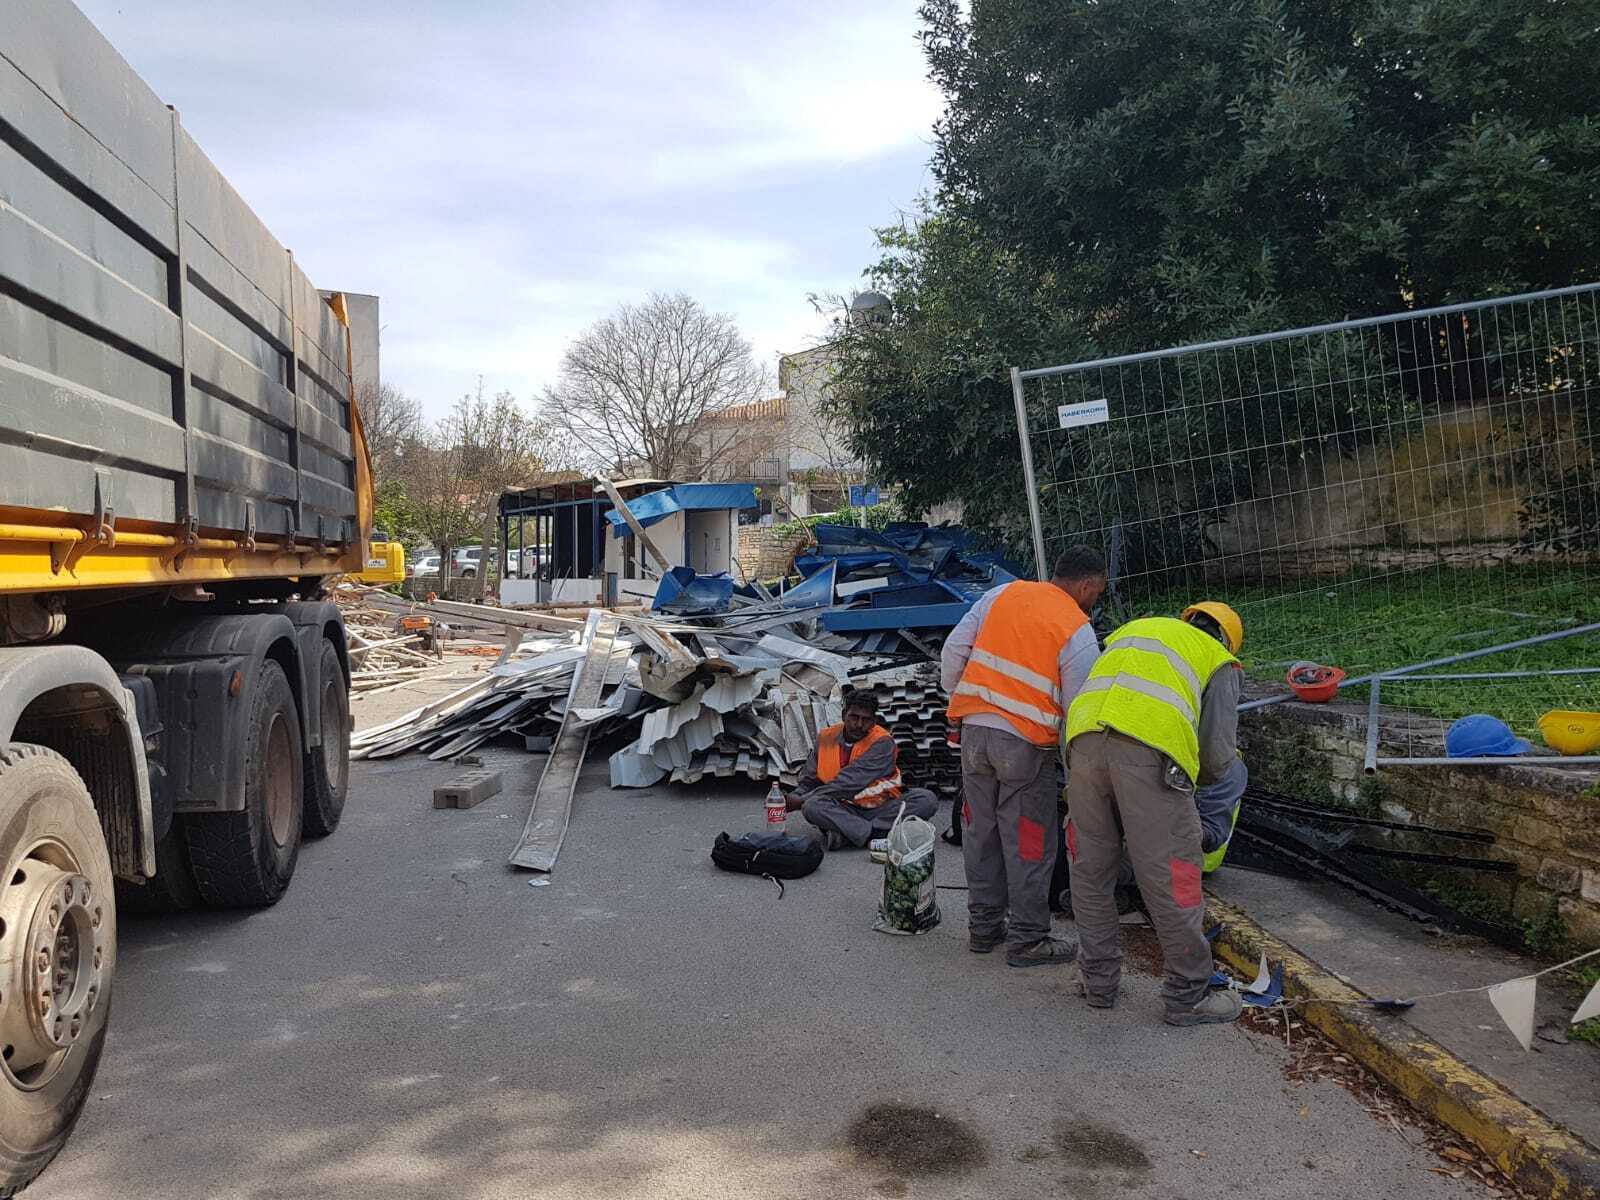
[{"x": 563, "y": 543}]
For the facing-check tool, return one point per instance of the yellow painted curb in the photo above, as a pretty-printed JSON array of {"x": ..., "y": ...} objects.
[{"x": 1543, "y": 1158}]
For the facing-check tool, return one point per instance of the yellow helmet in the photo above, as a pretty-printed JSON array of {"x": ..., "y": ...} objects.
[{"x": 1232, "y": 626}]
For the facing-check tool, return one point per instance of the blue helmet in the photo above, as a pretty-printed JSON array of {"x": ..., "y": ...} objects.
[{"x": 1483, "y": 736}]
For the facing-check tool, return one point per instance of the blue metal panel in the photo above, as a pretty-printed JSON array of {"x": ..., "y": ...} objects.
[
  {"x": 814, "y": 591},
  {"x": 918, "y": 616}
]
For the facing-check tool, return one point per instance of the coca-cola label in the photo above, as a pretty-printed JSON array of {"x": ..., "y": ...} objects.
[{"x": 775, "y": 814}]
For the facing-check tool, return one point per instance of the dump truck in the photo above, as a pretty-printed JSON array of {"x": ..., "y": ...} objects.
[{"x": 182, "y": 470}]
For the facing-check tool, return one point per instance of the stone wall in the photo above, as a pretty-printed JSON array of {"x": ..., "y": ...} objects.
[
  {"x": 765, "y": 552},
  {"x": 1545, "y": 819}
]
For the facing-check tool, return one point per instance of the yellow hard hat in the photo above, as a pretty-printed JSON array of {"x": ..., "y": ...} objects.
[
  {"x": 1571, "y": 732},
  {"x": 1232, "y": 626}
]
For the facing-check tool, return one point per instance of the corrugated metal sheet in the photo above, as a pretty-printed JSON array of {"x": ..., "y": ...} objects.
[{"x": 151, "y": 328}]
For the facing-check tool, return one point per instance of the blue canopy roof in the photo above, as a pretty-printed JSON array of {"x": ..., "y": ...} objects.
[{"x": 655, "y": 506}]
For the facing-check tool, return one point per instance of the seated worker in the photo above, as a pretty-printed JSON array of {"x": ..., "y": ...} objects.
[{"x": 850, "y": 788}]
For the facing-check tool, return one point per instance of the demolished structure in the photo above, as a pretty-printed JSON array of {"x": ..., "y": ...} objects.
[{"x": 718, "y": 679}]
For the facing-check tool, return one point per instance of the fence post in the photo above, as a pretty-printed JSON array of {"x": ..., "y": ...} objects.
[{"x": 1040, "y": 566}]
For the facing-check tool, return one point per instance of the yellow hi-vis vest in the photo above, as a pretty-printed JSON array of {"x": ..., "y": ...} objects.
[{"x": 1148, "y": 685}]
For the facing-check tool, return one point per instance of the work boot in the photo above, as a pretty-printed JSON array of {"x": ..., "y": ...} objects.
[
  {"x": 1094, "y": 1000},
  {"x": 1046, "y": 952},
  {"x": 832, "y": 839},
  {"x": 1216, "y": 1008},
  {"x": 980, "y": 943}
]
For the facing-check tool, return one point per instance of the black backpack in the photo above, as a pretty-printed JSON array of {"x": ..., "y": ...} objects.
[{"x": 774, "y": 856}]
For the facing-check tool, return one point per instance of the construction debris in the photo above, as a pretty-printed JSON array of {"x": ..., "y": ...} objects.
[
  {"x": 731, "y": 682},
  {"x": 584, "y": 709}
]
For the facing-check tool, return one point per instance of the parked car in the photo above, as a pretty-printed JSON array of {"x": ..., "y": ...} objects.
[
  {"x": 428, "y": 564},
  {"x": 466, "y": 561}
]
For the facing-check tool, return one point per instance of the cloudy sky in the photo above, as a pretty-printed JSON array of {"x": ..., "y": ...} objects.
[{"x": 503, "y": 172}]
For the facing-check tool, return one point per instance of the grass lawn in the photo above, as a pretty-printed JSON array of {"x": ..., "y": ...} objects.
[{"x": 1376, "y": 624}]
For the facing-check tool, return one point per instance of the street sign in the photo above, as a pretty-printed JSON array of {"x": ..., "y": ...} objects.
[{"x": 863, "y": 495}]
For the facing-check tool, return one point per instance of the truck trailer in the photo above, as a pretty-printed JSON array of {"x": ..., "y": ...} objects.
[{"x": 182, "y": 470}]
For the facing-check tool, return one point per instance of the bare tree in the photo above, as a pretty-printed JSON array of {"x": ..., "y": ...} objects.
[
  {"x": 392, "y": 421},
  {"x": 635, "y": 385}
]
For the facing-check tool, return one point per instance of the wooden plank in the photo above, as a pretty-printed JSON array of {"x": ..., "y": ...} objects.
[{"x": 551, "y": 810}]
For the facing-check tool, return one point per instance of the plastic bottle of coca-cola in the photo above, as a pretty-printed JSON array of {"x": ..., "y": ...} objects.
[{"x": 777, "y": 810}]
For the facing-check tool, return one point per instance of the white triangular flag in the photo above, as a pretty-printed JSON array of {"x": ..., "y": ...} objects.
[
  {"x": 1590, "y": 1006},
  {"x": 1514, "y": 1000},
  {"x": 1263, "y": 978}
]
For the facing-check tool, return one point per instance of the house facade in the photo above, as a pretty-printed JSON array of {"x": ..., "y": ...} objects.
[{"x": 786, "y": 446}]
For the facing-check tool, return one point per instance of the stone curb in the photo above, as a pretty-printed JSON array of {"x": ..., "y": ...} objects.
[{"x": 1541, "y": 1157}]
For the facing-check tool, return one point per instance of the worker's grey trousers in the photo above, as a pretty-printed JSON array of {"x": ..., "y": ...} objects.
[
  {"x": 1010, "y": 829},
  {"x": 860, "y": 825},
  {"x": 1118, "y": 789}
]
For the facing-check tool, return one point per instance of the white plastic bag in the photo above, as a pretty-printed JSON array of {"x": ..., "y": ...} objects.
[{"x": 908, "y": 903}]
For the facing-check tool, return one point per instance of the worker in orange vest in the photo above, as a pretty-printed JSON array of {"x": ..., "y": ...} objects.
[
  {"x": 1012, "y": 666},
  {"x": 851, "y": 788}
]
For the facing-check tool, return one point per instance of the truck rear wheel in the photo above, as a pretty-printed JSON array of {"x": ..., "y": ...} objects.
[
  {"x": 328, "y": 765},
  {"x": 245, "y": 859},
  {"x": 58, "y": 952}
]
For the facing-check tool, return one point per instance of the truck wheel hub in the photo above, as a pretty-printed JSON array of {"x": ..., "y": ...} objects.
[{"x": 52, "y": 952}]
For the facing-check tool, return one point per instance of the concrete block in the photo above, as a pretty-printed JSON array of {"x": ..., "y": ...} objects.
[
  {"x": 1559, "y": 876},
  {"x": 467, "y": 790}
]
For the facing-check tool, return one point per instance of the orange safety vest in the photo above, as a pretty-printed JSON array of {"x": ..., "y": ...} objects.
[
  {"x": 1015, "y": 670},
  {"x": 830, "y": 757}
]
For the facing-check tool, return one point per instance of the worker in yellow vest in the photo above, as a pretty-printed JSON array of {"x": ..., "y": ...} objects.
[
  {"x": 1157, "y": 717},
  {"x": 851, "y": 788},
  {"x": 1011, "y": 666}
]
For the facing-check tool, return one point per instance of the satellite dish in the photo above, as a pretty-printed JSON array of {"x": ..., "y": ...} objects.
[{"x": 869, "y": 306}]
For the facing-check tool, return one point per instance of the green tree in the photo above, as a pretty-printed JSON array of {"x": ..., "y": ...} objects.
[
  {"x": 1192, "y": 168},
  {"x": 1116, "y": 177},
  {"x": 927, "y": 393}
]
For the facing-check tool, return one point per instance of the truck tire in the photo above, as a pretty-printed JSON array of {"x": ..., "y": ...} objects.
[
  {"x": 58, "y": 952},
  {"x": 245, "y": 859},
  {"x": 172, "y": 889},
  {"x": 328, "y": 766}
]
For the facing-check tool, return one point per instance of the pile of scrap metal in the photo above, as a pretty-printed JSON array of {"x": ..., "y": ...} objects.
[
  {"x": 757, "y": 714},
  {"x": 525, "y": 695},
  {"x": 898, "y": 591},
  {"x": 726, "y": 681}
]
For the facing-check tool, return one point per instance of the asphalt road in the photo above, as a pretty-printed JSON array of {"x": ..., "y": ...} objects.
[{"x": 415, "y": 1020}]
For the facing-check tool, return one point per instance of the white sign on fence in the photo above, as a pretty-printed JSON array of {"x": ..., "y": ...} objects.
[{"x": 1091, "y": 413}]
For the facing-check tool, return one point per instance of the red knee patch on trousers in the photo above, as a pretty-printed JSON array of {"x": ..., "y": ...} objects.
[
  {"x": 1072, "y": 841},
  {"x": 1030, "y": 840},
  {"x": 1186, "y": 884}
]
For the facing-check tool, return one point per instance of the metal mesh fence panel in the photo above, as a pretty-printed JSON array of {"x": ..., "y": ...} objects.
[{"x": 1369, "y": 493}]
